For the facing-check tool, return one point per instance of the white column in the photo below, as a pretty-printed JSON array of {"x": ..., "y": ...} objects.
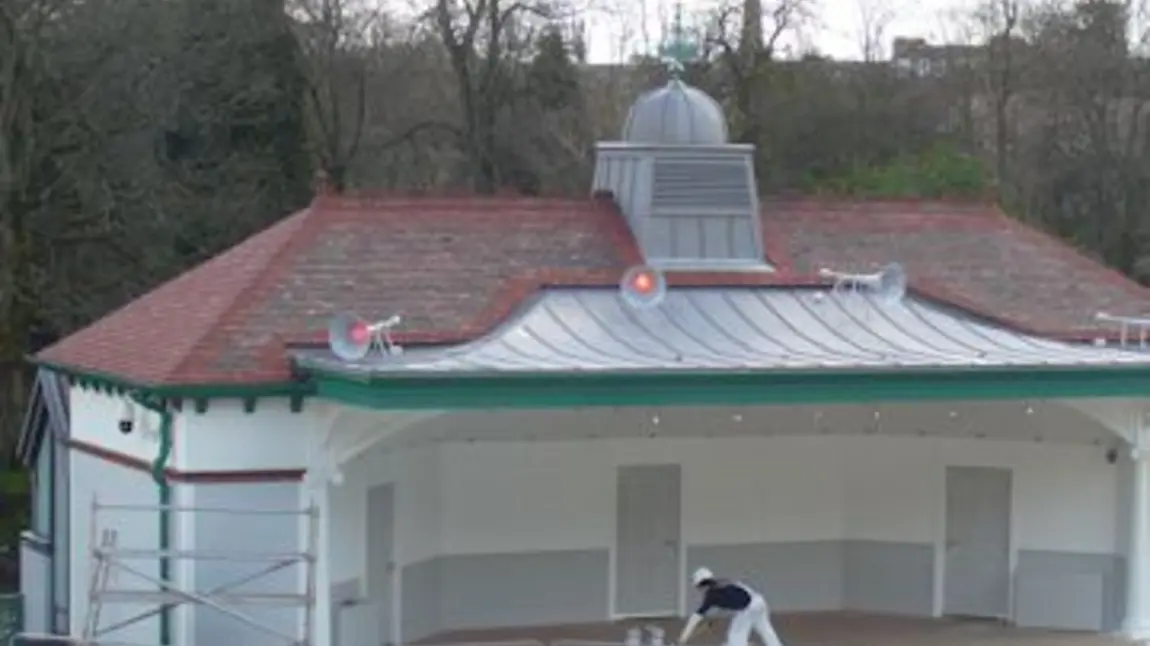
[
  {"x": 184, "y": 495},
  {"x": 1137, "y": 623},
  {"x": 321, "y": 498},
  {"x": 322, "y": 469}
]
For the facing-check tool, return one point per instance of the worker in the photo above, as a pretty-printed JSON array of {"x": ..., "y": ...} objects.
[{"x": 749, "y": 608}]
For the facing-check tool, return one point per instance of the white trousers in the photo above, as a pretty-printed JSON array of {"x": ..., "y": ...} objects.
[{"x": 756, "y": 617}]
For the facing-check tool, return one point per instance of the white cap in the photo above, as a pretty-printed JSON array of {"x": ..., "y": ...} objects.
[{"x": 702, "y": 574}]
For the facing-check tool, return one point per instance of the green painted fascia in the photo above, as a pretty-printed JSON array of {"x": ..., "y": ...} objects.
[
  {"x": 728, "y": 388},
  {"x": 695, "y": 388},
  {"x": 199, "y": 394}
]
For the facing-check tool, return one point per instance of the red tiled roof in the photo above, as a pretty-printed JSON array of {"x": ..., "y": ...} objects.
[
  {"x": 969, "y": 255},
  {"x": 454, "y": 267}
]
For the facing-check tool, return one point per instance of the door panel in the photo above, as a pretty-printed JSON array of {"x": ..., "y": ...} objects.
[
  {"x": 978, "y": 511},
  {"x": 380, "y": 556},
  {"x": 647, "y": 554}
]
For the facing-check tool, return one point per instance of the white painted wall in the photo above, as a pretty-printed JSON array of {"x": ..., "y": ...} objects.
[
  {"x": 95, "y": 420},
  {"x": 418, "y": 499},
  {"x": 1065, "y": 496},
  {"x": 793, "y": 488},
  {"x": 225, "y": 438},
  {"x": 35, "y": 582},
  {"x": 250, "y": 538},
  {"x": 505, "y": 497},
  {"x": 512, "y": 496},
  {"x": 112, "y": 483}
]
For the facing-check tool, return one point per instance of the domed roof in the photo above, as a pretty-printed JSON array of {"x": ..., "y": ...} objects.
[{"x": 676, "y": 115}]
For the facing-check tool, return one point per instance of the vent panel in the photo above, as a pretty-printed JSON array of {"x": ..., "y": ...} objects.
[{"x": 707, "y": 186}]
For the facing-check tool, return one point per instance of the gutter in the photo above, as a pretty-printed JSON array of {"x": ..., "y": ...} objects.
[{"x": 164, "y": 489}]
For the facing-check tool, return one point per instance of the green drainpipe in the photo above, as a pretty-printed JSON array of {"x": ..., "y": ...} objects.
[{"x": 159, "y": 467}]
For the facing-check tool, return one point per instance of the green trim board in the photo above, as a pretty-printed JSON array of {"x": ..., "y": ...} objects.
[
  {"x": 199, "y": 394},
  {"x": 697, "y": 388},
  {"x": 678, "y": 388}
]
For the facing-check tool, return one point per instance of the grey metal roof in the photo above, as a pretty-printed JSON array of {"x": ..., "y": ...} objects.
[
  {"x": 692, "y": 207},
  {"x": 676, "y": 114},
  {"x": 761, "y": 329}
]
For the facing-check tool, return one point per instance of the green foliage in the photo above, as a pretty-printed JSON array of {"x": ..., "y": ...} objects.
[
  {"x": 15, "y": 511},
  {"x": 551, "y": 76},
  {"x": 15, "y": 517},
  {"x": 11, "y": 616},
  {"x": 237, "y": 141},
  {"x": 939, "y": 171}
]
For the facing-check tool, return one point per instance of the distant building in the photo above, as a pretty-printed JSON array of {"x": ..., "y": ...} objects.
[
  {"x": 920, "y": 58},
  {"x": 917, "y": 56}
]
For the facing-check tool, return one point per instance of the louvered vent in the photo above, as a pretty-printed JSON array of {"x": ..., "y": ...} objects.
[{"x": 705, "y": 185}]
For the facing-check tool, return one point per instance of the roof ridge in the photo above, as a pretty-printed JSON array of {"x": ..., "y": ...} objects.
[
  {"x": 294, "y": 223},
  {"x": 866, "y": 201},
  {"x": 368, "y": 199},
  {"x": 433, "y": 192}
]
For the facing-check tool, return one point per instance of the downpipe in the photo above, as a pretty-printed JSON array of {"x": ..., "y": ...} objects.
[{"x": 164, "y": 489}]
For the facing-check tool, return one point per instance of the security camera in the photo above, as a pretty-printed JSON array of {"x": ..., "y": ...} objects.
[
  {"x": 127, "y": 418},
  {"x": 1112, "y": 455}
]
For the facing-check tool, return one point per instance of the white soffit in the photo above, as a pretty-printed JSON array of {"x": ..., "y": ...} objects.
[{"x": 734, "y": 329}]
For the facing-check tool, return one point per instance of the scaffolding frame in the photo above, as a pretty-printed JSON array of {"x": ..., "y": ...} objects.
[{"x": 108, "y": 557}]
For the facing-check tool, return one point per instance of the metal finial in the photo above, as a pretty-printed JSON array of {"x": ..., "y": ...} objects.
[{"x": 678, "y": 49}]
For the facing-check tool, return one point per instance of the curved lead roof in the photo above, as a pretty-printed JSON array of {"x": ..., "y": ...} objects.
[
  {"x": 676, "y": 114},
  {"x": 761, "y": 329}
]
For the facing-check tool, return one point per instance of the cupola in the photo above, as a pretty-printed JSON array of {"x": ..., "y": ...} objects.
[{"x": 689, "y": 195}]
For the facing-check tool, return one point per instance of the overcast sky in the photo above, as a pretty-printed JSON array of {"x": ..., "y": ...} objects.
[{"x": 837, "y": 31}]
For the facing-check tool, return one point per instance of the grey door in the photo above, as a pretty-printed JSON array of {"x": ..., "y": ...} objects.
[
  {"x": 647, "y": 540},
  {"x": 977, "y": 542},
  {"x": 380, "y": 556}
]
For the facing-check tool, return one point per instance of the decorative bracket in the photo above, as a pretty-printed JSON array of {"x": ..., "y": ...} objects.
[
  {"x": 1139, "y": 435},
  {"x": 321, "y": 466}
]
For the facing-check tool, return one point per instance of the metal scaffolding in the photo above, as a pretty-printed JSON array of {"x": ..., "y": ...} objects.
[{"x": 109, "y": 557}]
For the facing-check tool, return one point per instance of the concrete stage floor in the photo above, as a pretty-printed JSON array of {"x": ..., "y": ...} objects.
[{"x": 805, "y": 629}]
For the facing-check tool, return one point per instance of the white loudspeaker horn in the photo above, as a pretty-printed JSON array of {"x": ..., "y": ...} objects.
[
  {"x": 350, "y": 338},
  {"x": 891, "y": 285},
  {"x": 888, "y": 285},
  {"x": 643, "y": 287}
]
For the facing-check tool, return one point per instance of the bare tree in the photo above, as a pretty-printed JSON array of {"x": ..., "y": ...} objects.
[
  {"x": 1081, "y": 128},
  {"x": 1000, "y": 21},
  {"x": 875, "y": 17},
  {"x": 334, "y": 36},
  {"x": 356, "y": 56},
  {"x": 486, "y": 41},
  {"x": 745, "y": 49},
  {"x": 60, "y": 63}
]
